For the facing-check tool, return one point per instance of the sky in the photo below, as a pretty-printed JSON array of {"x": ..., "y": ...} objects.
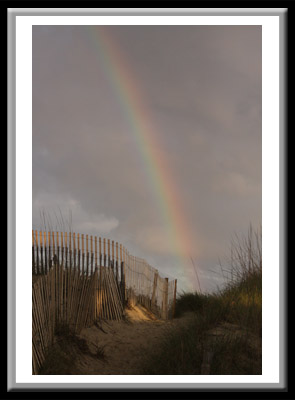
[{"x": 150, "y": 136}]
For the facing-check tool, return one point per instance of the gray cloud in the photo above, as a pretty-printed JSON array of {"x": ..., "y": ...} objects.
[{"x": 201, "y": 87}]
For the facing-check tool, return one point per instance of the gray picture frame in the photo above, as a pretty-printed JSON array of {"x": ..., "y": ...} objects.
[{"x": 12, "y": 386}]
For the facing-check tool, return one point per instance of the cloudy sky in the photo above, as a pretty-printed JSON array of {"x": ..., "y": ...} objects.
[{"x": 150, "y": 136}]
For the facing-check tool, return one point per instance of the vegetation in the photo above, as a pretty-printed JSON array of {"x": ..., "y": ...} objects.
[
  {"x": 224, "y": 334},
  {"x": 217, "y": 334}
]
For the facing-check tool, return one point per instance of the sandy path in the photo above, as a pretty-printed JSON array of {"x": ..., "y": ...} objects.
[
  {"x": 123, "y": 343},
  {"x": 120, "y": 348}
]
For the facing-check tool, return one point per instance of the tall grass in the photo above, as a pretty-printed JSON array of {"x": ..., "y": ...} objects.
[
  {"x": 62, "y": 223},
  {"x": 233, "y": 314}
]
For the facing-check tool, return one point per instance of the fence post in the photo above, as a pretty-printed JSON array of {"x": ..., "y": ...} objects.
[
  {"x": 87, "y": 257},
  {"x": 109, "y": 254},
  {"x": 49, "y": 250},
  {"x": 117, "y": 263},
  {"x": 70, "y": 250},
  {"x": 82, "y": 239},
  {"x": 165, "y": 300},
  {"x": 153, "y": 300},
  {"x": 66, "y": 249},
  {"x": 74, "y": 250},
  {"x": 95, "y": 246},
  {"x": 79, "y": 253},
  {"x": 104, "y": 252},
  {"x": 123, "y": 284},
  {"x": 95, "y": 308},
  {"x": 91, "y": 254},
  {"x": 99, "y": 249},
  {"x": 174, "y": 298}
]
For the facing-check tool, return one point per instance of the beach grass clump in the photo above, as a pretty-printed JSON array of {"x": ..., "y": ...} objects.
[{"x": 225, "y": 333}]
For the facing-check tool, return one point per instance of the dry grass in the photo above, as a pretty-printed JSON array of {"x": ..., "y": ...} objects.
[{"x": 239, "y": 306}]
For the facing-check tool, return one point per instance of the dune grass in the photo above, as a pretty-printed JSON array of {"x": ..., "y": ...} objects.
[{"x": 224, "y": 335}]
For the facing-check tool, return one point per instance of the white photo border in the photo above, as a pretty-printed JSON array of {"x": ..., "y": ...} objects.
[{"x": 272, "y": 131}]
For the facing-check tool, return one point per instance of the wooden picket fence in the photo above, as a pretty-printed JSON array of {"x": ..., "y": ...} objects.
[
  {"x": 66, "y": 298},
  {"x": 82, "y": 253},
  {"x": 81, "y": 279},
  {"x": 61, "y": 297}
]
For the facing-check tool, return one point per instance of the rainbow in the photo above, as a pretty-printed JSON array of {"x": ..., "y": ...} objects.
[{"x": 144, "y": 133}]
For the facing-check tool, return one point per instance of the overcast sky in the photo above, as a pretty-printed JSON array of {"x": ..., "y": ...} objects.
[{"x": 194, "y": 94}]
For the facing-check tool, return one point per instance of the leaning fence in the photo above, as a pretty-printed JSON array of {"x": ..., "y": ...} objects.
[
  {"x": 79, "y": 279},
  {"x": 142, "y": 283}
]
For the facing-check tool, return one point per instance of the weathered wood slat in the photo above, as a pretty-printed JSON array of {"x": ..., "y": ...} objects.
[
  {"x": 83, "y": 255},
  {"x": 104, "y": 252},
  {"x": 100, "y": 254},
  {"x": 109, "y": 253},
  {"x": 91, "y": 253},
  {"x": 87, "y": 257}
]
